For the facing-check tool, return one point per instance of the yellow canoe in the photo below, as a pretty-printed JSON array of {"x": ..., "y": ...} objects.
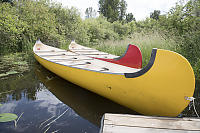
[{"x": 161, "y": 88}]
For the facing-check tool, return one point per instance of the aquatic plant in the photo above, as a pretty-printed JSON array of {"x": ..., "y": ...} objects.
[
  {"x": 6, "y": 117},
  {"x": 13, "y": 64}
]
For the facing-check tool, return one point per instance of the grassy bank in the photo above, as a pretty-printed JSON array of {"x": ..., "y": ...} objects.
[{"x": 23, "y": 22}]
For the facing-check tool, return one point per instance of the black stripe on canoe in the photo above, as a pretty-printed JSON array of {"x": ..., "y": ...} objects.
[{"x": 145, "y": 69}]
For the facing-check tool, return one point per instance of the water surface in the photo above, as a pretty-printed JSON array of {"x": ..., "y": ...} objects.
[{"x": 40, "y": 95}]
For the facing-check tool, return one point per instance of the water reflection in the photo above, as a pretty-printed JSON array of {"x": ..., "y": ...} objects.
[
  {"x": 17, "y": 87},
  {"x": 28, "y": 95},
  {"x": 84, "y": 103},
  {"x": 41, "y": 95}
]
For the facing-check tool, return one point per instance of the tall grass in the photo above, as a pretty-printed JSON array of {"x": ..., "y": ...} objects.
[{"x": 146, "y": 41}]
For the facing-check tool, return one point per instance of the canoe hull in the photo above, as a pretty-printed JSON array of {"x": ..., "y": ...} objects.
[{"x": 159, "y": 91}]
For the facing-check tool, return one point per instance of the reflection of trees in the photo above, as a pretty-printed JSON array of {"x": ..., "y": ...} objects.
[
  {"x": 86, "y": 104},
  {"x": 15, "y": 87}
]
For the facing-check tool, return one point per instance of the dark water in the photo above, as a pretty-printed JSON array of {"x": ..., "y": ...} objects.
[{"x": 39, "y": 95}]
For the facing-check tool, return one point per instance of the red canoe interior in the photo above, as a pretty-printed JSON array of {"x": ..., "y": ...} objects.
[{"x": 131, "y": 58}]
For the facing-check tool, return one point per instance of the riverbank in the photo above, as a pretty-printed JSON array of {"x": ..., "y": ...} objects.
[{"x": 176, "y": 30}]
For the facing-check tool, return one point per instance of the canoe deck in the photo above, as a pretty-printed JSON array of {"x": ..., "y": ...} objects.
[
  {"x": 79, "y": 49},
  {"x": 131, "y": 58},
  {"x": 81, "y": 61},
  {"x": 121, "y": 123}
]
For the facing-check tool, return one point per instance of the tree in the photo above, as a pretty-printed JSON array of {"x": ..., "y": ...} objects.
[
  {"x": 113, "y": 10},
  {"x": 129, "y": 17},
  {"x": 155, "y": 14},
  {"x": 122, "y": 10},
  {"x": 195, "y": 4},
  {"x": 109, "y": 9},
  {"x": 9, "y": 1},
  {"x": 90, "y": 13}
]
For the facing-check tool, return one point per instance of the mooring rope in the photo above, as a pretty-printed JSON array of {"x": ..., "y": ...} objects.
[
  {"x": 195, "y": 107},
  {"x": 192, "y": 100}
]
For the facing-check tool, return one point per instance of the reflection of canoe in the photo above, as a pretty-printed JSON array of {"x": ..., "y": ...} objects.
[
  {"x": 160, "y": 88},
  {"x": 131, "y": 58},
  {"x": 86, "y": 104}
]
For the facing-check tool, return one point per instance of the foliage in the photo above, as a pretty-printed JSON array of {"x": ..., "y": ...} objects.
[
  {"x": 121, "y": 30},
  {"x": 155, "y": 14},
  {"x": 90, "y": 13},
  {"x": 109, "y": 9},
  {"x": 9, "y": 1},
  {"x": 68, "y": 24},
  {"x": 11, "y": 28},
  {"x": 99, "y": 29},
  {"x": 129, "y": 17},
  {"x": 41, "y": 23},
  {"x": 122, "y": 10},
  {"x": 115, "y": 10}
]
